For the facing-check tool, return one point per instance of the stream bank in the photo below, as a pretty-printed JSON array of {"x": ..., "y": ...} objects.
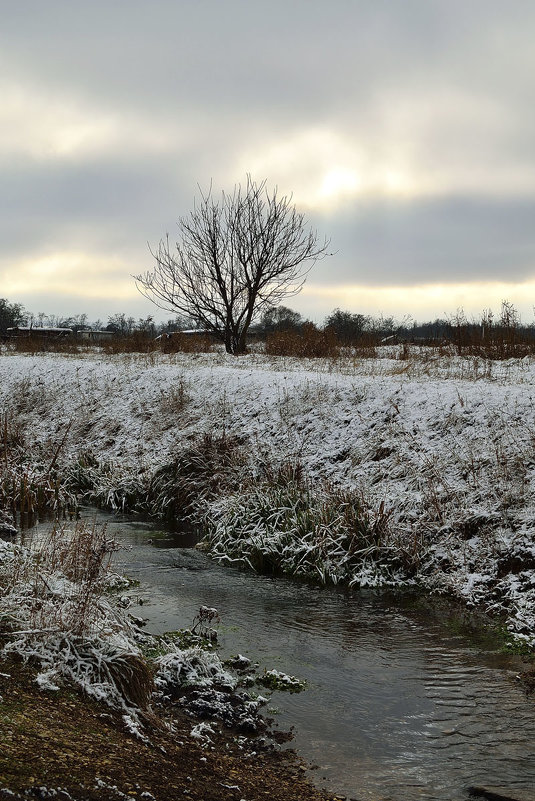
[
  {"x": 400, "y": 703},
  {"x": 358, "y": 471},
  {"x": 407, "y": 696},
  {"x": 65, "y": 746},
  {"x": 438, "y": 463}
]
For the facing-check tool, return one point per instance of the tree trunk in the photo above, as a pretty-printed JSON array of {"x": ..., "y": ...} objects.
[
  {"x": 241, "y": 346},
  {"x": 235, "y": 342}
]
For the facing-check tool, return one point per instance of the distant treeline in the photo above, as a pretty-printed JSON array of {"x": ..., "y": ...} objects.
[{"x": 286, "y": 332}]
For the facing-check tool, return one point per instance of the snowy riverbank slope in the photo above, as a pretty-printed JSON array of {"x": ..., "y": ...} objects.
[{"x": 444, "y": 447}]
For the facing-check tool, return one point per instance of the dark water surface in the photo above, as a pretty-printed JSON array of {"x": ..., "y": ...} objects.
[{"x": 398, "y": 704}]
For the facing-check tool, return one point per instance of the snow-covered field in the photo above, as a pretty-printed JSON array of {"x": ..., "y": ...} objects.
[{"x": 442, "y": 450}]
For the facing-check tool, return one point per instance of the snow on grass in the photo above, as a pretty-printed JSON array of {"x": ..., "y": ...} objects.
[
  {"x": 191, "y": 667},
  {"x": 442, "y": 449},
  {"x": 57, "y": 611},
  {"x": 326, "y": 536}
]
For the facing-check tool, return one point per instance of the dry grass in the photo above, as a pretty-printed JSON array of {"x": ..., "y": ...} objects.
[
  {"x": 186, "y": 343},
  {"x": 503, "y": 338},
  {"x": 33, "y": 583},
  {"x": 35, "y": 344},
  {"x": 28, "y": 490},
  {"x": 175, "y": 398},
  {"x": 199, "y": 474},
  {"x": 137, "y": 342},
  {"x": 142, "y": 342},
  {"x": 309, "y": 342}
]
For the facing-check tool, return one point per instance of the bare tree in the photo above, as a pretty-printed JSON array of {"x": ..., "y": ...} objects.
[{"x": 236, "y": 257}]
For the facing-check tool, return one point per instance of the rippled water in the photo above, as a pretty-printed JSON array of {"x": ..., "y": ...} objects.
[{"x": 397, "y": 706}]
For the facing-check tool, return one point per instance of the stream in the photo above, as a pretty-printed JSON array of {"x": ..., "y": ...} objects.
[{"x": 401, "y": 702}]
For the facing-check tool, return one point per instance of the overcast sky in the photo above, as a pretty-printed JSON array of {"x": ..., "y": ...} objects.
[{"x": 405, "y": 130}]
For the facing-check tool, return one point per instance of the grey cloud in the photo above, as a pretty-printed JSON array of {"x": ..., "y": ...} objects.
[
  {"x": 104, "y": 203},
  {"x": 236, "y": 75},
  {"x": 298, "y": 58},
  {"x": 447, "y": 240}
]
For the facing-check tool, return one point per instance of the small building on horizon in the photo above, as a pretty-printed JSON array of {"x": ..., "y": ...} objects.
[
  {"x": 99, "y": 335},
  {"x": 39, "y": 331}
]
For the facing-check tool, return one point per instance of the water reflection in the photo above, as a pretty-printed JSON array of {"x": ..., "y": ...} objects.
[{"x": 397, "y": 705}]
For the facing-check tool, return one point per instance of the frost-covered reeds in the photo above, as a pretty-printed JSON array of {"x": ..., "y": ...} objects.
[
  {"x": 205, "y": 470},
  {"x": 176, "y": 493},
  {"x": 60, "y": 611},
  {"x": 27, "y": 488},
  {"x": 56, "y": 611},
  {"x": 327, "y": 536}
]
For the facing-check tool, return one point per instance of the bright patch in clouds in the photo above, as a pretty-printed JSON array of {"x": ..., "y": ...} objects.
[
  {"x": 36, "y": 124},
  {"x": 47, "y": 125},
  {"x": 388, "y": 152},
  {"x": 424, "y": 302},
  {"x": 324, "y": 169},
  {"x": 340, "y": 181},
  {"x": 93, "y": 276}
]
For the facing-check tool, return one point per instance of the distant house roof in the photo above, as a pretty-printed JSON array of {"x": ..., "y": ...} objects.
[
  {"x": 88, "y": 333},
  {"x": 35, "y": 329},
  {"x": 186, "y": 331}
]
